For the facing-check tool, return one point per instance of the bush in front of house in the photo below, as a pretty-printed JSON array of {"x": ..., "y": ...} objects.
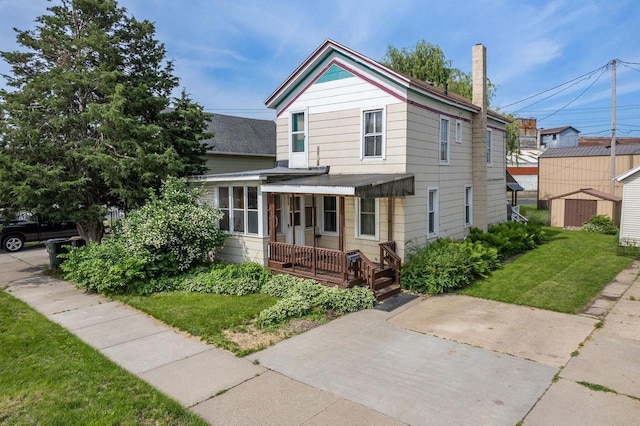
[
  {"x": 300, "y": 296},
  {"x": 446, "y": 265},
  {"x": 509, "y": 238},
  {"x": 169, "y": 235},
  {"x": 600, "y": 223}
]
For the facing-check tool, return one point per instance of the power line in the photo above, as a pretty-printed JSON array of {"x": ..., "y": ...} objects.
[{"x": 555, "y": 87}]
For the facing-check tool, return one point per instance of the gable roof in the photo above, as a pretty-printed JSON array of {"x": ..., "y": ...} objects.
[
  {"x": 556, "y": 130},
  {"x": 590, "y": 151},
  {"x": 396, "y": 84},
  {"x": 628, "y": 174},
  {"x": 241, "y": 136},
  {"x": 593, "y": 192}
]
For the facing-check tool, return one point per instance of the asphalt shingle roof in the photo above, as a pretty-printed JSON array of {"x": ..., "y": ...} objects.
[{"x": 241, "y": 136}]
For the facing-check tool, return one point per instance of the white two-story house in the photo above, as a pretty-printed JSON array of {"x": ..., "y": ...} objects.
[{"x": 370, "y": 161}]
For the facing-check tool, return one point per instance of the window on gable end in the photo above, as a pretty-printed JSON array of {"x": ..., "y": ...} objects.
[{"x": 373, "y": 134}]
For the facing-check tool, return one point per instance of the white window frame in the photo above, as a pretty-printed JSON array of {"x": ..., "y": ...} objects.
[
  {"x": 383, "y": 133},
  {"x": 441, "y": 141},
  {"x": 458, "y": 131},
  {"x": 468, "y": 204},
  {"x": 305, "y": 133},
  {"x": 245, "y": 209},
  {"x": 436, "y": 212},
  {"x": 360, "y": 236},
  {"x": 321, "y": 216},
  {"x": 489, "y": 138}
]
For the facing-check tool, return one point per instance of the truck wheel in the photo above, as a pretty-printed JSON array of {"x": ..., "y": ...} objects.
[{"x": 13, "y": 243}]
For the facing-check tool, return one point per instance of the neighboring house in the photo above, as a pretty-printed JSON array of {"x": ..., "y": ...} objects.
[
  {"x": 576, "y": 208},
  {"x": 370, "y": 162},
  {"x": 239, "y": 144},
  {"x": 559, "y": 137},
  {"x": 564, "y": 170},
  {"x": 630, "y": 217}
]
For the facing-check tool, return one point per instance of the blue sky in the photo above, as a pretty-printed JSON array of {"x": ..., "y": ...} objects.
[{"x": 231, "y": 55}]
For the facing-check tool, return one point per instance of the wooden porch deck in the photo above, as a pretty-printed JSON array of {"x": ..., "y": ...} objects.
[{"x": 337, "y": 268}]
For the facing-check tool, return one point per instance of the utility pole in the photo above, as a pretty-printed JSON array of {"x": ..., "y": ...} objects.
[{"x": 613, "y": 128}]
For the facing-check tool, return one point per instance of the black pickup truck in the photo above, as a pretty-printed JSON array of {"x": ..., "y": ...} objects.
[{"x": 14, "y": 234}]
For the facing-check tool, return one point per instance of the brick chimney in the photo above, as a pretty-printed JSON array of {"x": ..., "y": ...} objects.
[{"x": 479, "y": 137}]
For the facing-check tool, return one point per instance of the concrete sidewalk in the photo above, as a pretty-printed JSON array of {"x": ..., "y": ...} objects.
[
  {"x": 439, "y": 360},
  {"x": 220, "y": 387}
]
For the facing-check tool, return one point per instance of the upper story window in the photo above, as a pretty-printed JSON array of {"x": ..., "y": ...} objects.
[
  {"x": 489, "y": 149},
  {"x": 298, "y": 132},
  {"x": 458, "y": 131},
  {"x": 373, "y": 134},
  {"x": 444, "y": 140}
]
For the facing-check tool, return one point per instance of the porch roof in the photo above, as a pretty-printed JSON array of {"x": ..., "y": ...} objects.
[{"x": 358, "y": 185}]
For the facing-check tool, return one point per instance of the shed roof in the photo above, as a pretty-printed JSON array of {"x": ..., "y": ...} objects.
[
  {"x": 590, "y": 151},
  {"x": 241, "y": 136},
  {"x": 593, "y": 192}
]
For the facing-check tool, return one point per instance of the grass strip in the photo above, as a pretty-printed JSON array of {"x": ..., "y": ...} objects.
[{"x": 48, "y": 376}]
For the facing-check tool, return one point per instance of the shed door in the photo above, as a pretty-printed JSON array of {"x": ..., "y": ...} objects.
[{"x": 578, "y": 212}]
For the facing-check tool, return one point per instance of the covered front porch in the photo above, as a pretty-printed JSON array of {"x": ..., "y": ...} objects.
[{"x": 320, "y": 250}]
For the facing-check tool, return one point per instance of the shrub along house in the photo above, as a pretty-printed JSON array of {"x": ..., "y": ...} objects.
[{"x": 369, "y": 162}]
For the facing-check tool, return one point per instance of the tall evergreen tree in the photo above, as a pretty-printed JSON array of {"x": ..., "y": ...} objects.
[{"x": 87, "y": 121}]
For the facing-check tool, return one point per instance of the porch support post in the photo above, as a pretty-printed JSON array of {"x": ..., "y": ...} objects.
[
  {"x": 271, "y": 199},
  {"x": 313, "y": 227},
  {"x": 341, "y": 225},
  {"x": 390, "y": 202}
]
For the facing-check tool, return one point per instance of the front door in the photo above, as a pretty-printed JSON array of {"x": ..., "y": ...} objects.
[{"x": 295, "y": 220}]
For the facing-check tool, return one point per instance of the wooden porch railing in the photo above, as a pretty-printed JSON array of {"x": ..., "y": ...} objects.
[
  {"x": 389, "y": 256},
  {"x": 363, "y": 267},
  {"x": 309, "y": 257}
]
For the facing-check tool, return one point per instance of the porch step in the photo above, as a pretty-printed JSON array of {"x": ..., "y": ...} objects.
[
  {"x": 382, "y": 282},
  {"x": 387, "y": 292}
]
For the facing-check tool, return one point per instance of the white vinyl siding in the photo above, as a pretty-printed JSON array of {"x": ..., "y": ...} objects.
[{"x": 444, "y": 141}]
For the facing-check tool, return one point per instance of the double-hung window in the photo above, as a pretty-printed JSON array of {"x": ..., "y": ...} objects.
[
  {"x": 239, "y": 206},
  {"x": 468, "y": 205},
  {"x": 444, "y": 141},
  {"x": 373, "y": 134},
  {"x": 329, "y": 215},
  {"x": 489, "y": 149},
  {"x": 297, "y": 132},
  {"x": 432, "y": 212},
  {"x": 367, "y": 218}
]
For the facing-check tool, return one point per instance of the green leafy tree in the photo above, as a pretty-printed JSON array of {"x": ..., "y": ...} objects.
[
  {"x": 427, "y": 62},
  {"x": 87, "y": 121},
  {"x": 512, "y": 138}
]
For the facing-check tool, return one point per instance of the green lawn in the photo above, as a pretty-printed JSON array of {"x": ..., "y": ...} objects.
[
  {"x": 562, "y": 275},
  {"x": 202, "y": 314},
  {"x": 48, "y": 376}
]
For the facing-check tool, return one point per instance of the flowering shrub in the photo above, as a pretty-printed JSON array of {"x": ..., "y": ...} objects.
[
  {"x": 169, "y": 235},
  {"x": 600, "y": 223},
  {"x": 174, "y": 223}
]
